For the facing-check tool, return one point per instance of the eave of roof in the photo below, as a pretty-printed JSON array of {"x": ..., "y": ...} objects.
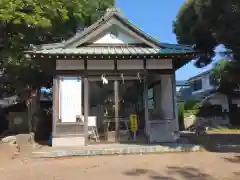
[
  {"x": 181, "y": 83},
  {"x": 199, "y": 75},
  {"x": 120, "y": 50}
]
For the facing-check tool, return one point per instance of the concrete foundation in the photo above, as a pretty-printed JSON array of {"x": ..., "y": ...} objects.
[{"x": 75, "y": 141}]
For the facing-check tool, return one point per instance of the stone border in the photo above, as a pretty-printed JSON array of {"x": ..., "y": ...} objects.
[
  {"x": 116, "y": 151},
  {"x": 224, "y": 132}
]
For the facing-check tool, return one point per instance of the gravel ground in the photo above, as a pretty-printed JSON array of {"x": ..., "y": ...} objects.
[{"x": 169, "y": 166}]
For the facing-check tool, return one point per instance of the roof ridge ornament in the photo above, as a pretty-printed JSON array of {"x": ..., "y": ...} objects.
[{"x": 113, "y": 10}]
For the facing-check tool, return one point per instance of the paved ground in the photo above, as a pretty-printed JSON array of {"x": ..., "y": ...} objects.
[{"x": 171, "y": 166}]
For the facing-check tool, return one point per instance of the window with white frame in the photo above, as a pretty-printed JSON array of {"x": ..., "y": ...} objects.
[
  {"x": 150, "y": 98},
  {"x": 197, "y": 85},
  {"x": 212, "y": 80}
]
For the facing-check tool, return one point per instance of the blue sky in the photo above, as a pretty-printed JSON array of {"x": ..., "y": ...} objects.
[{"x": 155, "y": 18}]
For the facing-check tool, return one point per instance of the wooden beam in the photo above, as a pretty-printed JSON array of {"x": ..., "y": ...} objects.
[
  {"x": 113, "y": 72},
  {"x": 53, "y": 57}
]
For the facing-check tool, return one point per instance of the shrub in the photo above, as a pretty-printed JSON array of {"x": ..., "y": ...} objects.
[
  {"x": 191, "y": 104},
  {"x": 191, "y": 112},
  {"x": 181, "y": 116},
  {"x": 210, "y": 111}
]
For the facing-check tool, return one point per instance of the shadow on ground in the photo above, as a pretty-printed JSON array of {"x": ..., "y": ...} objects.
[
  {"x": 172, "y": 173},
  {"x": 237, "y": 174},
  {"x": 216, "y": 142},
  {"x": 236, "y": 160}
]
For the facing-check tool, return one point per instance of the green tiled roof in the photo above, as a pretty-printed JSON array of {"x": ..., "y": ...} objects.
[
  {"x": 79, "y": 47},
  {"x": 114, "y": 50}
]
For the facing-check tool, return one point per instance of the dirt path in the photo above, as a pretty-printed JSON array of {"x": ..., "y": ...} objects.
[{"x": 180, "y": 166}]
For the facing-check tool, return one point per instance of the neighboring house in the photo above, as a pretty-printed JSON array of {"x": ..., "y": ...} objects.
[
  {"x": 202, "y": 84},
  {"x": 98, "y": 67},
  {"x": 180, "y": 84},
  {"x": 203, "y": 88},
  {"x": 184, "y": 91}
]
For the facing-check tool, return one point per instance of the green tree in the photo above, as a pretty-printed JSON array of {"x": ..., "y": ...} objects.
[
  {"x": 181, "y": 116},
  {"x": 27, "y": 22},
  {"x": 23, "y": 23},
  {"x": 226, "y": 79},
  {"x": 208, "y": 23},
  {"x": 225, "y": 75}
]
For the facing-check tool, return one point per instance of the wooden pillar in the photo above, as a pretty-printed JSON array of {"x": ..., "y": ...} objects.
[
  {"x": 116, "y": 100},
  {"x": 145, "y": 95},
  {"x": 55, "y": 108},
  {"x": 175, "y": 106},
  {"x": 86, "y": 108}
]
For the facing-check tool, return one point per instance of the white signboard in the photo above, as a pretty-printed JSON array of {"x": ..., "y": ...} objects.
[{"x": 70, "y": 98}]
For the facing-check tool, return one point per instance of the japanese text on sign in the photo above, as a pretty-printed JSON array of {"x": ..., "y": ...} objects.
[{"x": 133, "y": 122}]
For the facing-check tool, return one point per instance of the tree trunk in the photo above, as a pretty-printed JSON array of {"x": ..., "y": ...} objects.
[
  {"x": 32, "y": 103},
  {"x": 29, "y": 116},
  {"x": 230, "y": 108}
]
